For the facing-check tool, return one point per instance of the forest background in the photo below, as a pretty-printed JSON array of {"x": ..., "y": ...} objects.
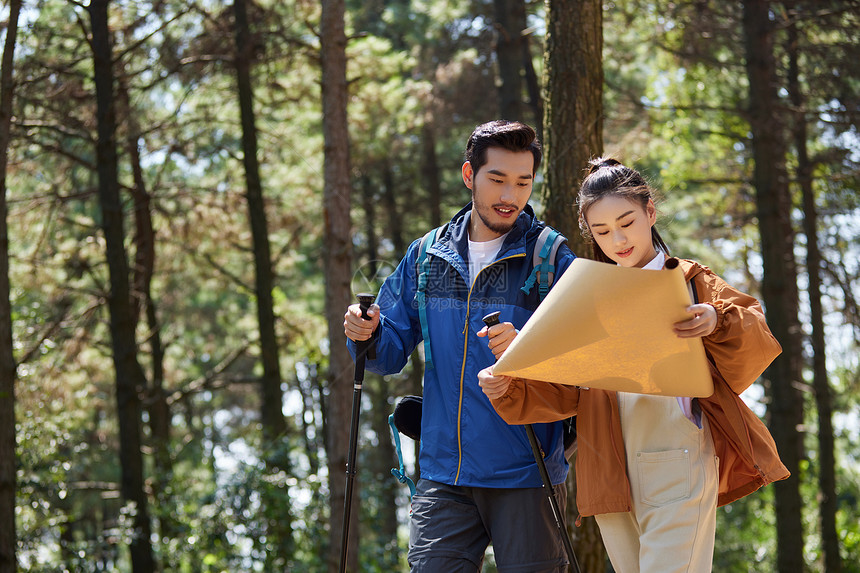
[{"x": 193, "y": 191}]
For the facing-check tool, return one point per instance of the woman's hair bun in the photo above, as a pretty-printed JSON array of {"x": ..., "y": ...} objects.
[{"x": 599, "y": 162}]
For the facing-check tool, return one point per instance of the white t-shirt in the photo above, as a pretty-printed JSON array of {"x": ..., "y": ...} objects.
[
  {"x": 657, "y": 262},
  {"x": 482, "y": 254}
]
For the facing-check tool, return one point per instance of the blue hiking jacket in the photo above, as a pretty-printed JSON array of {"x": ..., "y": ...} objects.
[{"x": 463, "y": 440}]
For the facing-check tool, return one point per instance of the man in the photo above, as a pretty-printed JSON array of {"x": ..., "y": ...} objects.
[{"x": 479, "y": 480}]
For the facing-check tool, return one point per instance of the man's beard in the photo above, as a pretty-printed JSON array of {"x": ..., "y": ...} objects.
[{"x": 501, "y": 227}]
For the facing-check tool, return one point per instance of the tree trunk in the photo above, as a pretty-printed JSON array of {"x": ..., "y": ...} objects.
[
  {"x": 278, "y": 518},
  {"x": 368, "y": 199},
  {"x": 8, "y": 457},
  {"x": 573, "y": 108},
  {"x": 779, "y": 282},
  {"x": 510, "y": 23},
  {"x": 430, "y": 176},
  {"x": 823, "y": 400},
  {"x": 573, "y": 128},
  {"x": 535, "y": 102},
  {"x": 338, "y": 248},
  {"x": 142, "y": 303},
  {"x": 130, "y": 380}
]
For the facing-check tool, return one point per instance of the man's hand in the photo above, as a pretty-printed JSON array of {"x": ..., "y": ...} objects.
[
  {"x": 493, "y": 386},
  {"x": 355, "y": 327},
  {"x": 500, "y": 337},
  {"x": 703, "y": 321}
]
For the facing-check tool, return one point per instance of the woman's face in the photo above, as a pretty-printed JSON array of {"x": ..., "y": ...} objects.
[{"x": 621, "y": 228}]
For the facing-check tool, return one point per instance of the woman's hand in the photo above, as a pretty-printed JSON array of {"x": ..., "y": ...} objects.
[
  {"x": 703, "y": 321},
  {"x": 493, "y": 386}
]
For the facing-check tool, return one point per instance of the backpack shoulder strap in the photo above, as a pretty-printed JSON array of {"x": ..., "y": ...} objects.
[
  {"x": 694, "y": 296},
  {"x": 423, "y": 262},
  {"x": 543, "y": 260}
]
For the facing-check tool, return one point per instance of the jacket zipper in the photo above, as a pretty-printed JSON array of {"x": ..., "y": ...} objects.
[{"x": 463, "y": 365}]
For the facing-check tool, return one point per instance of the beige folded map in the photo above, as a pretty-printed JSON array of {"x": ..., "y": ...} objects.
[{"x": 610, "y": 327}]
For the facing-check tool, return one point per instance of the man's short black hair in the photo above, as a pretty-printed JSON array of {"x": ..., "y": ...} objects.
[{"x": 510, "y": 135}]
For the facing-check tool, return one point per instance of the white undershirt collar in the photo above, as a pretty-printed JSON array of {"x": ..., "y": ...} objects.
[
  {"x": 657, "y": 262},
  {"x": 482, "y": 254}
]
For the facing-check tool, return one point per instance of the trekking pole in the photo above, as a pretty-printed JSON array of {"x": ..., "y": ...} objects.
[
  {"x": 362, "y": 348},
  {"x": 493, "y": 319}
]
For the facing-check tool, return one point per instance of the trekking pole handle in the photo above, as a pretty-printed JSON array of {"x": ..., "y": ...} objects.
[
  {"x": 364, "y": 302},
  {"x": 364, "y": 347},
  {"x": 492, "y": 319}
]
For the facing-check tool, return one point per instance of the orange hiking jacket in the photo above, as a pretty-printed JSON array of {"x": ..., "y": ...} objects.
[{"x": 739, "y": 349}]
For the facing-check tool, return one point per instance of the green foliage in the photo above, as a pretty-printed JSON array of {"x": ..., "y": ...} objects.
[
  {"x": 745, "y": 540},
  {"x": 848, "y": 471}
]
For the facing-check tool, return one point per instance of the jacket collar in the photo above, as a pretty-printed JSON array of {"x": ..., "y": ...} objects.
[
  {"x": 458, "y": 230},
  {"x": 453, "y": 246}
]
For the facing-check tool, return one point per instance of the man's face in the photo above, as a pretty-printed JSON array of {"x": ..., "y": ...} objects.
[{"x": 500, "y": 190}]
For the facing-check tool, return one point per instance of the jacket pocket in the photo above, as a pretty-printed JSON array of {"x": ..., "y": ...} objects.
[{"x": 664, "y": 477}]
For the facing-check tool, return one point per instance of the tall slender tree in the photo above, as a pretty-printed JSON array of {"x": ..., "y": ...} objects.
[
  {"x": 779, "y": 281},
  {"x": 573, "y": 107},
  {"x": 8, "y": 457},
  {"x": 430, "y": 176},
  {"x": 573, "y": 133},
  {"x": 274, "y": 425},
  {"x": 510, "y": 23},
  {"x": 337, "y": 193},
  {"x": 820, "y": 383},
  {"x": 533, "y": 88},
  {"x": 144, "y": 305},
  {"x": 130, "y": 379}
]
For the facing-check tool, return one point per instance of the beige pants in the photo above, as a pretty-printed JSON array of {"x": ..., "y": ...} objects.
[{"x": 673, "y": 474}]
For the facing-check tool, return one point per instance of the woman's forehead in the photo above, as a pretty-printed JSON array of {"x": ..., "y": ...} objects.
[{"x": 612, "y": 207}]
